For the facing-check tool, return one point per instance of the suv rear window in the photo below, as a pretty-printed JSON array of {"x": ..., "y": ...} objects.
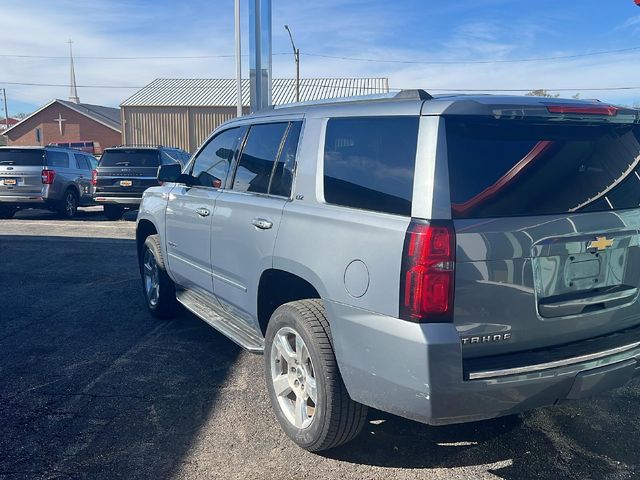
[
  {"x": 23, "y": 157},
  {"x": 130, "y": 158},
  {"x": 369, "y": 163},
  {"x": 502, "y": 168}
]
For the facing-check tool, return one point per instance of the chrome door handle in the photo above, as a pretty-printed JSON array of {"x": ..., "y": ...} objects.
[
  {"x": 262, "y": 223},
  {"x": 203, "y": 212}
]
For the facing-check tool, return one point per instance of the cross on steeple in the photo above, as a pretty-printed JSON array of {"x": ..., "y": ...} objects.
[{"x": 73, "y": 91}]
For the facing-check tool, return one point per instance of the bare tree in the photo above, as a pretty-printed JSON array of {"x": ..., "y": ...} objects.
[{"x": 541, "y": 93}]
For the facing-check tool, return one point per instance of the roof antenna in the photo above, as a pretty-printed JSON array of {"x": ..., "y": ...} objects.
[{"x": 73, "y": 92}]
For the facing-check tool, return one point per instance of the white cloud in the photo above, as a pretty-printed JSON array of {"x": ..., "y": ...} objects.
[{"x": 349, "y": 28}]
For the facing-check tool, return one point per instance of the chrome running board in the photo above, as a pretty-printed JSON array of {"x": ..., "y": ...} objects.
[{"x": 228, "y": 325}]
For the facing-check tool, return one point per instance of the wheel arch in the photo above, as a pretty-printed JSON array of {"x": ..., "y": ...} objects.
[
  {"x": 277, "y": 287},
  {"x": 144, "y": 229}
]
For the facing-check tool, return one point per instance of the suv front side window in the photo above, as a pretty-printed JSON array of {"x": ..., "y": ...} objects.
[{"x": 211, "y": 165}]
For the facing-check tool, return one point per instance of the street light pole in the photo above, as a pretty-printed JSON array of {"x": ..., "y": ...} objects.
[
  {"x": 238, "y": 60},
  {"x": 296, "y": 56}
]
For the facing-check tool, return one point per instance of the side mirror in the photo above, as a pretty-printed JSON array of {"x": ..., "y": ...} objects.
[{"x": 169, "y": 173}]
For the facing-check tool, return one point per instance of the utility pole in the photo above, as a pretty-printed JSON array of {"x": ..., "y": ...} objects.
[
  {"x": 260, "y": 58},
  {"x": 238, "y": 60},
  {"x": 296, "y": 56},
  {"x": 6, "y": 110}
]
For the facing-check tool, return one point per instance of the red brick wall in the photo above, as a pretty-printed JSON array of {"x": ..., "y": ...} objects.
[{"x": 76, "y": 128}]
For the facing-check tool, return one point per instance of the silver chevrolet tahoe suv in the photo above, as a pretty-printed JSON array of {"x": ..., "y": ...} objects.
[
  {"x": 445, "y": 259},
  {"x": 53, "y": 178}
]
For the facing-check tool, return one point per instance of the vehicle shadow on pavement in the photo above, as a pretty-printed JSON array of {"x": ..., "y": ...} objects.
[
  {"x": 594, "y": 438},
  {"x": 92, "y": 385}
]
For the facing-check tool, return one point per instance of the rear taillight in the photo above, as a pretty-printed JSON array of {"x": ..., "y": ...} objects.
[
  {"x": 48, "y": 176},
  {"x": 94, "y": 177},
  {"x": 427, "y": 274}
]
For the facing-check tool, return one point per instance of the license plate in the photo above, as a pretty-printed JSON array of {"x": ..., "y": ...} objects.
[
  {"x": 126, "y": 183},
  {"x": 9, "y": 181}
]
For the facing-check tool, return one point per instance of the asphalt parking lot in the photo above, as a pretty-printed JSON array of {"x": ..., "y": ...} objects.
[{"x": 92, "y": 386}]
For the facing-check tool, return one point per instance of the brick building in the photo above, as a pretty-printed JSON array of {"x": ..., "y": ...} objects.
[{"x": 62, "y": 121}]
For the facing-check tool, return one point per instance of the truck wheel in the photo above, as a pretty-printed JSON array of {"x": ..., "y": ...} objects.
[
  {"x": 7, "y": 211},
  {"x": 159, "y": 289},
  {"x": 69, "y": 205},
  {"x": 113, "y": 212},
  {"x": 307, "y": 393}
]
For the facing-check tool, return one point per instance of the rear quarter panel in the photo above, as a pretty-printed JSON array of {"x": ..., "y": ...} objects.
[{"x": 321, "y": 242}]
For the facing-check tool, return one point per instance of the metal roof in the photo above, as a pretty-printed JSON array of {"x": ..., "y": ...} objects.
[{"x": 221, "y": 92}]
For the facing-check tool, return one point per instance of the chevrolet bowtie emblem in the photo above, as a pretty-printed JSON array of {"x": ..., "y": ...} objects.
[{"x": 600, "y": 243}]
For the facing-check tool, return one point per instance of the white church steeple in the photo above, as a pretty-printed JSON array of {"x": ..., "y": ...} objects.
[{"x": 73, "y": 92}]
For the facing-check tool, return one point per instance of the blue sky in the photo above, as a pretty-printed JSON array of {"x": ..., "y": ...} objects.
[{"x": 429, "y": 30}]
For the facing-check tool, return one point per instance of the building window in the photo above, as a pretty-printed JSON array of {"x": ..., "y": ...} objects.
[{"x": 38, "y": 135}]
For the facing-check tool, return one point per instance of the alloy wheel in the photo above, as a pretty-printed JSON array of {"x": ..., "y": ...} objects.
[
  {"x": 151, "y": 278},
  {"x": 293, "y": 378}
]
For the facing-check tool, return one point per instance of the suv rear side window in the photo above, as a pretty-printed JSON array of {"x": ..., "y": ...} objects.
[
  {"x": 57, "y": 159},
  {"x": 83, "y": 163},
  {"x": 258, "y": 157},
  {"x": 211, "y": 165},
  {"x": 369, "y": 163},
  {"x": 283, "y": 174},
  {"x": 130, "y": 158},
  {"x": 502, "y": 168},
  {"x": 23, "y": 157}
]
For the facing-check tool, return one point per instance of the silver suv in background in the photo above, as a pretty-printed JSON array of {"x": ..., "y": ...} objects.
[
  {"x": 445, "y": 259},
  {"x": 49, "y": 177}
]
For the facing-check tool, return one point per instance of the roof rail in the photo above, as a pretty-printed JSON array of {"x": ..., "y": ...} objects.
[
  {"x": 413, "y": 94},
  {"x": 138, "y": 145}
]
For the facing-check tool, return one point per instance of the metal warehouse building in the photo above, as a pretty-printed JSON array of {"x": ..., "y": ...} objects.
[{"x": 183, "y": 112}]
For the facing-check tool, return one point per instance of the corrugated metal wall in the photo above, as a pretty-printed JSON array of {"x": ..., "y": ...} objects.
[{"x": 182, "y": 127}]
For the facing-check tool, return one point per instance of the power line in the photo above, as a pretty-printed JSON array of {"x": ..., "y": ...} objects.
[
  {"x": 159, "y": 57},
  {"x": 306, "y": 84},
  {"x": 470, "y": 62},
  {"x": 336, "y": 57}
]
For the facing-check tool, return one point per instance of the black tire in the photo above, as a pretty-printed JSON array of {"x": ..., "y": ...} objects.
[
  {"x": 68, "y": 207},
  {"x": 165, "y": 305},
  {"x": 113, "y": 212},
  {"x": 7, "y": 211},
  {"x": 337, "y": 418}
]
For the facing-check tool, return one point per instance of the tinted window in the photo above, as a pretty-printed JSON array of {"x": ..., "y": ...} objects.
[
  {"x": 503, "y": 168},
  {"x": 93, "y": 162},
  {"x": 57, "y": 159},
  {"x": 283, "y": 174},
  {"x": 369, "y": 163},
  {"x": 130, "y": 158},
  {"x": 211, "y": 166},
  {"x": 258, "y": 156},
  {"x": 176, "y": 156},
  {"x": 10, "y": 156},
  {"x": 82, "y": 162}
]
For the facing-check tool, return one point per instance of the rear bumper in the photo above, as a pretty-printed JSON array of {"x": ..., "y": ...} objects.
[
  {"x": 416, "y": 371},
  {"x": 124, "y": 201},
  {"x": 23, "y": 199}
]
